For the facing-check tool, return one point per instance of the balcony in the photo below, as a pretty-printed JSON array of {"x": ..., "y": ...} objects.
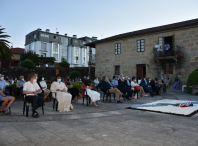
[{"x": 161, "y": 55}]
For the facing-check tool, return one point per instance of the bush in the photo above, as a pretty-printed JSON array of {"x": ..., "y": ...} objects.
[
  {"x": 28, "y": 64},
  {"x": 64, "y": 64},
  {"x": 74, "y": 74},
  {"x": 192, "y": 80}
]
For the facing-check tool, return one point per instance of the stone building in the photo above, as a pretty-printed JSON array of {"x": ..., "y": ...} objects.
[{"x": 134, "y": 53}]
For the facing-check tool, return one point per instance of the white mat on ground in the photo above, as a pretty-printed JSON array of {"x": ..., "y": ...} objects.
[{"x": 167, "y": 106}]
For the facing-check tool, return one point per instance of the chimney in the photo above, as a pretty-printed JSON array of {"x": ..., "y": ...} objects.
[
  {"x": 47, "y": 30},
  {"x": 65, "y": 34},
  {"x": 39, "y": 29},
  {"x": 57, "y": 32},
  {"x": 75, "y": 36},
  {"x": 95, "y": 38}
]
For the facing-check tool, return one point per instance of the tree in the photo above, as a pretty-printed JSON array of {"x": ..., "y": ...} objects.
[
  {"x": 64, "y": 64},
  {"x": 27, "y": 55},
  {"x": 192, "y": 80},
  {"x": 5, "y": 53},
  {"x": 28, "y": 64},
  {"x": 74, "y": 74}
]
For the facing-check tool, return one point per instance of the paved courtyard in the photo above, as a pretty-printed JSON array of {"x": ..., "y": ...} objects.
[{"x": 109, "y": 124}]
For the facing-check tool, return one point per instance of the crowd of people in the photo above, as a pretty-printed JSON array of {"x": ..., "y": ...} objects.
[{"x": 36, "y": 90}]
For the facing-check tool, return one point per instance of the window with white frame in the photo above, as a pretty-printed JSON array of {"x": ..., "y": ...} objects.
[
  {"x": 64, "y": 52},
  {"x": 45, "y": 35},
  {"x": 34, "y": 36},
  {"x": 55, "y": 51},
  {"x": 76, "y": 55},
  {"x": 29, "y": 47},
  {"x": 83, "y": 55},
  {"x": 44, "y": 46}
]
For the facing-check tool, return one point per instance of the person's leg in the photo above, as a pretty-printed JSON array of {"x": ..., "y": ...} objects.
[
  {"x": 177, "y": 86},
  {"x": 141, "y": 92},
  {"x": 129, "y": 92},
  {"x": 5, "y": 101},
  {"x": 174, "y": 86},
  {"x": 11, "y": 99},
  {"x": 33, "y": 99},
  {"x": 40, "y": 101},
  {"x": 94, "y": 103},
  {"x": 115, "y": 92}
]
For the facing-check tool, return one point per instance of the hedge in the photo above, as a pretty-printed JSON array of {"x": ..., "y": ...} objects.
[{"x": 192, "y": 80}]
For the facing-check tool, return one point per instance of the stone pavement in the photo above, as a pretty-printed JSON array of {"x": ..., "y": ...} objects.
[{"x": 109, "y": 124}]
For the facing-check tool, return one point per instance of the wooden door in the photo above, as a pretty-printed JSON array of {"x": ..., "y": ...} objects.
[{"x": 141, "y": 70}]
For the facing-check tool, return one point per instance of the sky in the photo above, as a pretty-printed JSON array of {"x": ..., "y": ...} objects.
[{"x": 99, "y": 18}]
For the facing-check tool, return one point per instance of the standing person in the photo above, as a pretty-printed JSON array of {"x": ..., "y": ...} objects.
[
  {"x": 95, "y": 96},
  {"x": 154, "y": 86},
  {"x": 176, "y": 85},
  {"x": 114, "y": 82},
  {"x": 72, "y": 90},
  {"x": 135, "y": 86},
  {"x": 43, "y": 86},
  {"x": 6, "y": 100},
  {"x": 158, "y": 47},
  {"x": 83, "y": 79},
  {"x": 167, "y": 47},
  {"x": 162, "y": 79},
  {"x": 167, "y": 82},
  {"x": 123, "y": 88},
  {"x": 146, "y": 86},
  {"x": 19, "y": 85},
  {"x": 63, "y": 97},
  {"x": 31, "y": 89}
]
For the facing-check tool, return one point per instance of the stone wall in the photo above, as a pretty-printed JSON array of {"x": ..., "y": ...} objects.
[
  {"x": 47, "y": 72},
  {"x": 186, "y": 39}
]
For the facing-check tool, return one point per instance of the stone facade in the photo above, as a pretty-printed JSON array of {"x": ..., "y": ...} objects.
[{"x": 185, "y": 42}]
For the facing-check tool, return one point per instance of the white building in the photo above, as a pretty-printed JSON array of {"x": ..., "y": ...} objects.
[{"x": 62, "y": 47}]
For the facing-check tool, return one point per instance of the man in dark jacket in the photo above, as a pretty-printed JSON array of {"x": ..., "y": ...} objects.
[
  {"x": 123, "y": 88},
  {"x": 146, "y": 86},
  {"x": 154, "y": 87},
  {"x": 106, "y": 86},
  {"x": 127, "y": 82}
]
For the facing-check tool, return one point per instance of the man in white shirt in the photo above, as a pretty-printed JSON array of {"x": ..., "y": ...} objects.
[
  {"x": 114, "y": 82},
  {"x": 158, "y": 47},
  {"x": 31, "y": 89},
  {"x": 167, "y": 47}
]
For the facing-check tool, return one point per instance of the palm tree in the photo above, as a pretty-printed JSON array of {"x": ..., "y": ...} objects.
[{"x": 5, "y": 53}]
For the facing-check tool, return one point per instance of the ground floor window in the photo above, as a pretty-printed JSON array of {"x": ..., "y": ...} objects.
[{"x": 117, "y": 70}]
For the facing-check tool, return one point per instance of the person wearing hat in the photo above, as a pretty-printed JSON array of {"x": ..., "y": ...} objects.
[{"x": 154, "y": 86}]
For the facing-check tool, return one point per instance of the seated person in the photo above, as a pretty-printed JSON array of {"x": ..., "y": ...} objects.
[
  {"x": 6, "y": 100},
  {"x": 8, "y": 86},
  {"x": 154, "y": 86},
  {"x": 43, "y": 86},
  {"x": 135, "y": 85},
  {"x": 122, "y": 87},
  {"x": 83, "y": 79},
  {"x": 96, "y": 82},
  {"x": 127, "y": 82},
  {"x": 19, "y": 85},
  {"x": 72, "y": 90},
  {"x": 114, "y": 82},
  {"x": 31, "y": 89},
  {"x": 139, "y": 80},
  {"x": 95, "y": 96},
  {"x": 3, "y": 85},
  {"x": 176, "y": 85},
  {"x": 63, "y": 97},
  {"x": 167, "y": 82},
  {"x": 106, "y": 86},
  {"x": 146, "y": 86},
  {"x": 109, "y": 81}
]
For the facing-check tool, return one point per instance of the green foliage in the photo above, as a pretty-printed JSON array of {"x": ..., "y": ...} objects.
[
  {"x": 5, "y": 53},
  {"x": 42, "y": 61},
  {"x": 192, "y": 80},
  {"x": 74, "y": 74},
  {"x": 28, "y": 64},
  {"x": 78, "y": 86},
  {"x": 64, "y": 64}
]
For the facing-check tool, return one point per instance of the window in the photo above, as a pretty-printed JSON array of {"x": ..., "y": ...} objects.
[
  {"x": 55, "y": 51},
  {"x": 117, "y": 48},
  {"x": 29, "y": 47},
  {"x": 55, "y": 37},
  {"x": 117, "y": 70},
  {"x": 76, "y": 55},
  {"x": 44, "y": 46},
  {"x": 83, "y": 55},
  {"x": 34, "y": 36},
  {"x": 169, "y": 68},
  {"x": 64, "y": 52},
  {"x": 44, "y": 54},
  {"x": 55, "y": 56},
  {"x": 140, "y": 45},
  {"x": 44, "y": 35}
]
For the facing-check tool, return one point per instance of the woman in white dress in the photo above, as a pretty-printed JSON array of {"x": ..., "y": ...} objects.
[
  {"x": 44, "y": 86},
  {"x": 63, "y": 97},
  {"x": 135, "y": 84},
  {"x": 95, "y": 96}
]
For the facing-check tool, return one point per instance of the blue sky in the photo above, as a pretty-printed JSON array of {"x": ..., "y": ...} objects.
[{"x": 100, "y": 18}]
